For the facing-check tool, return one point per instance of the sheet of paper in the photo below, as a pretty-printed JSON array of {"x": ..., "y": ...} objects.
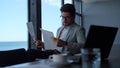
[
  {"x": 49, "y": 44},
  {"x": 31, "y": 30}
]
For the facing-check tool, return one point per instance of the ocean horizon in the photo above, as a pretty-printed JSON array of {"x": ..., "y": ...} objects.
[{"x": 9, "y": 45}]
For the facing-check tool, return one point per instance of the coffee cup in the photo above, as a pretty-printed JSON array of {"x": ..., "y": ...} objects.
[{"x": 58, "y": 58}]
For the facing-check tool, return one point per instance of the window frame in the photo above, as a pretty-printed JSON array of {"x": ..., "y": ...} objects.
[{"x": 34, "y": 16}]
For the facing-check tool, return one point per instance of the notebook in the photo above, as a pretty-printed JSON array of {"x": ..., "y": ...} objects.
[{"x": 101, "y": 37}]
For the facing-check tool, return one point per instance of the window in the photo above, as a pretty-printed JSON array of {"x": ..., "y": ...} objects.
[
  {"x": 13, "y": 31},
  {"x": 68, "y": 1},
  {"x": 51, "y": 15}
]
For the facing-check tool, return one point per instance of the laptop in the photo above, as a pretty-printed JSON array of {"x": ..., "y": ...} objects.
[{"x": 101, "y": 37}]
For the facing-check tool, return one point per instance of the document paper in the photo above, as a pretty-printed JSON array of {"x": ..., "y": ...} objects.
[
  {"x": 31, "y": 30},
  {"x": 49, "y": 44}
]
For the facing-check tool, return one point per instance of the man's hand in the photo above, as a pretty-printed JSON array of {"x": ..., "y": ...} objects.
[
  {"x": 39, "y": 44},
  {"x": 59, "y": 42}
]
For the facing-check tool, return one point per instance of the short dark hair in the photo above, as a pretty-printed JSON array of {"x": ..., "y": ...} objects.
[{"x": 68, "y": 8}]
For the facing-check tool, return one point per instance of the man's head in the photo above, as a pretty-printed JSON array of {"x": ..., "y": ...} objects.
[{"x": 67, "y": 14}]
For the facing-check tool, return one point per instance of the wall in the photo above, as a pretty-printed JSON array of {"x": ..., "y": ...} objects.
[{"x": 102, "y": 13}]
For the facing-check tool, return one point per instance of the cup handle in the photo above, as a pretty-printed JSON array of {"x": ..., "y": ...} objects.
[{"x": 51, "y": 58}]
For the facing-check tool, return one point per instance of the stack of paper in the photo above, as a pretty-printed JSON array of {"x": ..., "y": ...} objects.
[
  {"x": 31, "y": 30},
  {"x": 49, "y": 44}
]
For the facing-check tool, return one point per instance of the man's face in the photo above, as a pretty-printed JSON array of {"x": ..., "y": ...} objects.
[{"x": 67, "y": 19}]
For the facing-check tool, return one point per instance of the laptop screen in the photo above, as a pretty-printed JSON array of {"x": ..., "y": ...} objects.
[{"x": 101, "y": 37}]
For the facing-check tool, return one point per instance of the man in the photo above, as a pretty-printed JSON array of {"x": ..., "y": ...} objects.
[{"x": 70, "y": 36}]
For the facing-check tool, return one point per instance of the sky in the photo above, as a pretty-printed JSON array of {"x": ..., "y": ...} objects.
[
  {"x": 13, "y": 18},
  {"x": 51, "y": 15}
]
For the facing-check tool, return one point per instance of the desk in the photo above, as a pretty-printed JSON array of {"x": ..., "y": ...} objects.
[
  {"x": 113, "y": 62},
  {"x": 114, "y": 57}
]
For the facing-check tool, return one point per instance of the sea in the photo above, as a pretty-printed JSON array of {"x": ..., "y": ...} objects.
[{"x": 13, "y": 45}]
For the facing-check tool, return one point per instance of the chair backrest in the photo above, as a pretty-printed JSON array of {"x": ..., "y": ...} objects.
[{"x": 11, "y": 57}]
